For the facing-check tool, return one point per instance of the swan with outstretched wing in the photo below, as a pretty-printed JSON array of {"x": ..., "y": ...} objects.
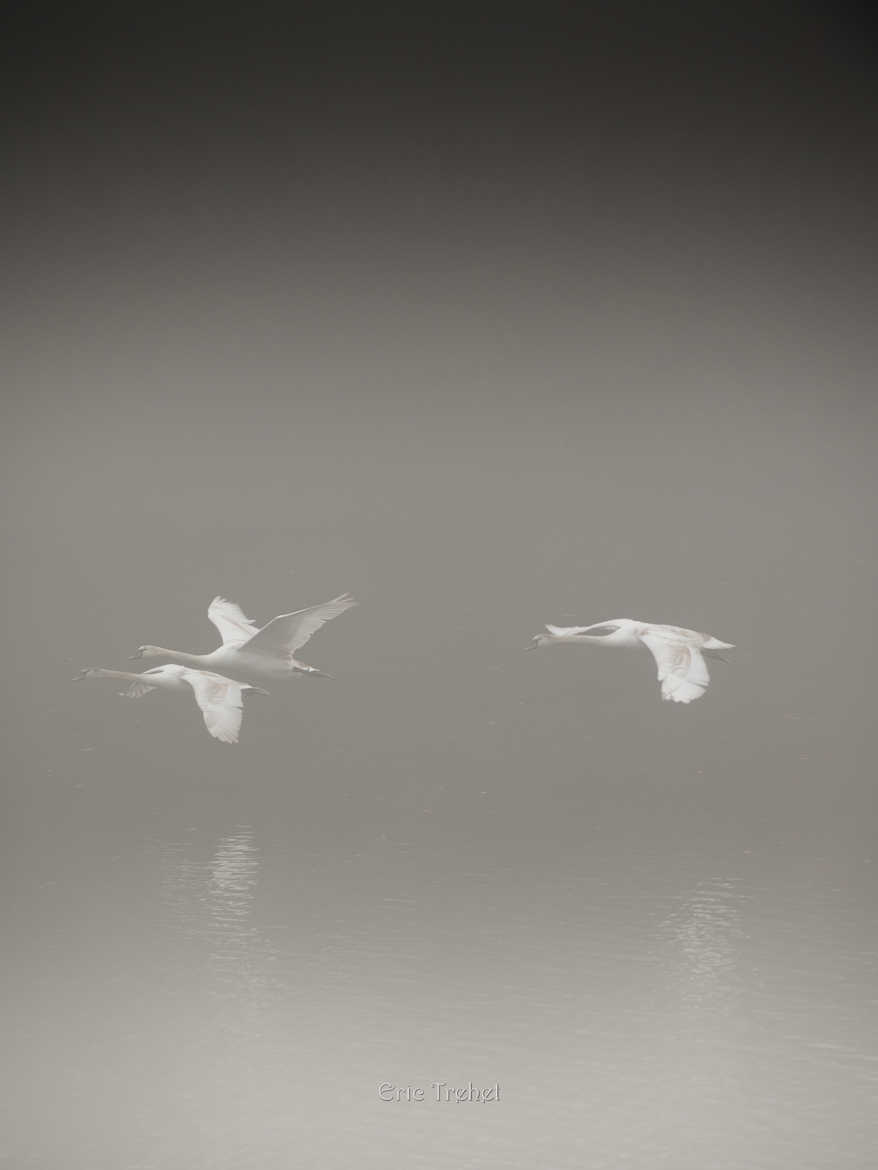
[
  {"x": 220, "y": 699},
  {"x": 248, "y": 652},
  {"x": 679, "y": 653}
]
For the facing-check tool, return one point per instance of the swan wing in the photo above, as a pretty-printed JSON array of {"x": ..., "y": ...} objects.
[
  {"x": 682, "y": 670},
  {"x": 288, "y": 632},
  {"x": 220, "y": 701},
  {"x": 230, "y": 620}
]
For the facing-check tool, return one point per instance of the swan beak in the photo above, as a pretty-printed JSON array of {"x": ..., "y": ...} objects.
[
  {"x": 320, "y": 673},
  {"x": 533, "y": 646},
  {"x": 132, "y": 657}
]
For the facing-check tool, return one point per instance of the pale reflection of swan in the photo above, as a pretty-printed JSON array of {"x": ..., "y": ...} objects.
[
  {"x": 250, "y": 653},
  {"x": 213, "y": 901},
  {"x": 219, "y": 698},
  {"x": 231, "y": 1054},
  {"x": 678, "y": 652},
  {"x": 705, "y": 931}
]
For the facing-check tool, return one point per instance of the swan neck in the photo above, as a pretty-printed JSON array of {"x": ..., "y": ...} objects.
[{"x": 180, "y": 657}]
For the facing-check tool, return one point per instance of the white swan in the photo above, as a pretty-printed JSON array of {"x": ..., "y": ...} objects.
[
  {"x": 679, "y": 653},
  {"x": 248, "y": 652},
  {"x": 219, "y": 698}
]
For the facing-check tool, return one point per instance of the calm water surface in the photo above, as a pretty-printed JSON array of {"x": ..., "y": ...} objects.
[{"x": 229, "y": 969}]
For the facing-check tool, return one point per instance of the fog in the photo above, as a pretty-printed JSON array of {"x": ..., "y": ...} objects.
[{"x": 485, "y": 363}]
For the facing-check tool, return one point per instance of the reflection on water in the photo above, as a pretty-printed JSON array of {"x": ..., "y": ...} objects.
[
  {"x": 209, "y": 902},
  {"x": 223, "y": 968},
  {"x": 661, "y": 1006},
  {"x": 701, "y": 938}
]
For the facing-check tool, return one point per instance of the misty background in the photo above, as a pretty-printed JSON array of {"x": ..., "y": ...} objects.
[{"x": 491, "y": 325}]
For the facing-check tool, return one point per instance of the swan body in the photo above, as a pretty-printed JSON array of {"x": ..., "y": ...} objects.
[
  {"x": 679, "y": 653},
  {"x": 220, "y": 699},
  {"x": 248, "y": 652}
]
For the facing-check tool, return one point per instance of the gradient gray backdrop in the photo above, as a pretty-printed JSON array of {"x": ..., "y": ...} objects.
[{"x": 490, "y": 330}]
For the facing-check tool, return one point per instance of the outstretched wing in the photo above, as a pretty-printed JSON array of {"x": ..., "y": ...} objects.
[
  {"x": 682, "y": 670},
  {"x": 286, "y": 634},
  {"x": 231, "y": 622},
  {"x": 220, "y": 701}
]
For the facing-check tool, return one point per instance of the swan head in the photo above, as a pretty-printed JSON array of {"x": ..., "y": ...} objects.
[
  {"x": 86, "y": 672},
  {"x": 149, "y": 652},
  {"x": 311, "y": 671}
]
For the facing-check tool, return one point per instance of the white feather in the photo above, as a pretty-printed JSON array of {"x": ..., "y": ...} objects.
[
  {"x": 248, "y": 653},
  {"x": 682, "y": 671},
  {"x": 230, "y": 620},
  {"x": 219, "y": 698}
]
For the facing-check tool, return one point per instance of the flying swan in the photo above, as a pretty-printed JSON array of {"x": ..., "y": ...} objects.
[
  {"x": 679, "y": 653},
  {"x": 248, "y": 652},
  {"x": 220, "y": 699}
]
